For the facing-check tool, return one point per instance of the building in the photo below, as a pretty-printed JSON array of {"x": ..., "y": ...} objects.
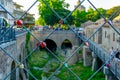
[
  {"x": 28, "y": 19},
  {"x": 81, "y": 7},
  {"x": 8, "y": 5},
  {"x": 107, "y": 37},
  {"x": 18, "y": 11}
]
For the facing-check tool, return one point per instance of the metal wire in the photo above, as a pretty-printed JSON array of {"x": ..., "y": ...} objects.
[
  {"x": 29, "y": 9},
  {"x": 96, "y": 9},
  {"x": 66, "y": 61},
  {"x": 14, "y": 17},
  {"x": 8, "y": 54},
  {"x": 7, "y": 11},
  {"x": 62, "y": 62},
  {"x": 30, "y": 74},
  {"x": 29, "y": 54},
  {"x": 10, "y": 73},
  {"x": 52, "y": 10},
  {"x": 73, "y": 10},
  {"x": 52, "y": 32}
]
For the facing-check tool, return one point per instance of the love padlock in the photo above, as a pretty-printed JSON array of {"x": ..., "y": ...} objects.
[
  {"x": 86, "y": 44},
  {"x": 42, "y": 44},
  {"x": 19, "y": 22}
]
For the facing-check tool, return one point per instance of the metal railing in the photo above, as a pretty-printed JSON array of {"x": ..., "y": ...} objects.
[
  {"x": 10, "y": 36},
  {"x": 104, "y": 56}
]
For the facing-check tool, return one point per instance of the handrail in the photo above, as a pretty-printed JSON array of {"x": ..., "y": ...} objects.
[{"x": 104, "y": 56}]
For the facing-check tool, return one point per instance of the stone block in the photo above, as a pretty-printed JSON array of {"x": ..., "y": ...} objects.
[
  {"x": 87, "y": 56},
  {"x": 107, "y": 71}
]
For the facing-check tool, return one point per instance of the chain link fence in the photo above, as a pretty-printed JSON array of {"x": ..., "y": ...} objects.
[{"x": 93, "y": 46}]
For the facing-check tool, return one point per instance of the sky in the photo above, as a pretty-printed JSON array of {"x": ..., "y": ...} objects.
[{"x": 106, "y": 4}]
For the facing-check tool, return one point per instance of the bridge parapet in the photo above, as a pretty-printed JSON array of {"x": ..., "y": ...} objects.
[
  {"x": 58, "y": 37},
  {"x": 10, "y": 53},
  {"x": 104, "y": 56}
]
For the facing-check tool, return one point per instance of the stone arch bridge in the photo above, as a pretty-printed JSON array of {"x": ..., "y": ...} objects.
[{"x": 59, "y": 40}]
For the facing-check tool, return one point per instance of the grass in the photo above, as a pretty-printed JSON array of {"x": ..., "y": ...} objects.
[
  {"x": 40, "y": 58},
  {"x": 83, "y": 72},
  {"x": 37, "y": 59}
]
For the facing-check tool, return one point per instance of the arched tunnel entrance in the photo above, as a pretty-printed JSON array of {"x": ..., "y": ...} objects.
[
  {"x": 66, "y": 44},
  {"x": 51, "y": 45}
]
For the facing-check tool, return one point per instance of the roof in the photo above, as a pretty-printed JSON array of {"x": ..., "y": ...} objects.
[{"x": 18, "y": 5}]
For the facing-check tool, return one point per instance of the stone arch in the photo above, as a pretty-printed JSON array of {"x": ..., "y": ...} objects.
[
  {"x": 51, "y": 44},
  {"x": 66, "y": 44},
  {"x": 13, "y": 74}
]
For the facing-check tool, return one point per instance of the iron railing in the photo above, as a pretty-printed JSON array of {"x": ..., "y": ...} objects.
[{"x": 9, "y": 36}]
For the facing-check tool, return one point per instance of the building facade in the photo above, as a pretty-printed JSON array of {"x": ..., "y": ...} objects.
[
  {"x": 16, "y": 11},
  {"x": 81, "y": 7},
  {"x": 28, "y": 19},
  {"x": 107, "y": 37},
  {"x": 8, "y": 5}
]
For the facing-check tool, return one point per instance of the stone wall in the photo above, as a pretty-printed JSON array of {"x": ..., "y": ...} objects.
[
  {"x": 17, "y": 50},
  {"x": 5, "y": 60},
  {"x": 13, "y": 49},
  {"x": 58, "y": 37}
]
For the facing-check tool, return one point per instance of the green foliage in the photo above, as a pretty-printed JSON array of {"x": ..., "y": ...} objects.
[
  {"x": 53, "y": 66},
  {"x": 79, "y": 17},
  {"x": 27, "y": 42},
  {"x": 38, "y": 59},
  {"x": 110, "y": 11},
  {"x": 83, "y": 16},
  {"x": 80, "y": 51},
  {"x": 65, "y": 27},
  {"x": 48, "y": 16},
  {"x": 47, "y": 74},
  {"x": 83, "y": 72},
  {"x": 40, "y": 21}
]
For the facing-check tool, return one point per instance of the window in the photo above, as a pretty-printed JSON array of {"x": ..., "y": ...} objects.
[
  {"x": 100, "y": 36},
  {"x": 113, "y": 36},
  {"x": 105, "y": 34},
  {"x": 2, "y": 2},
  {"x": 118, "y": 40}
]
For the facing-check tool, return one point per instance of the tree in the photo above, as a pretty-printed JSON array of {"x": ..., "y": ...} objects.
[
  {"x": 110, "y": 11},
  {"x": 40, "y": 21},
  {"x": 49, "y": 17},
  {"x": 79, "y": 17},
  {"x": 93, "y": 15},
  {"x": 83, "y": 16}
]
